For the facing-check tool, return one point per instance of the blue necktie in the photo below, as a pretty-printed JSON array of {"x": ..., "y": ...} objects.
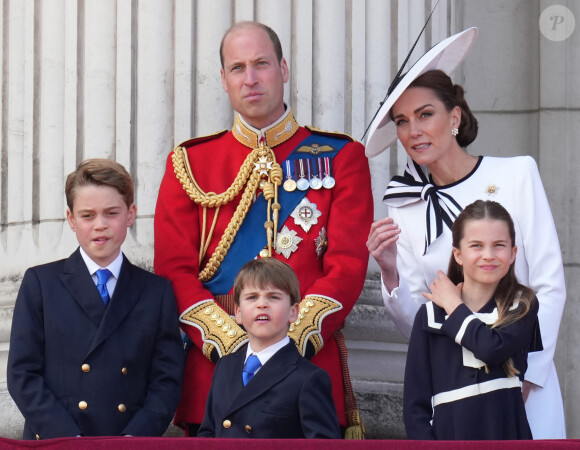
[
  {"x": 102, "y": 277},
  {"x": 252, "y": 364}
]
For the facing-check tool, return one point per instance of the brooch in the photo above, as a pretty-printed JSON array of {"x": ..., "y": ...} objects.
[{"x": 491, "y": 190}]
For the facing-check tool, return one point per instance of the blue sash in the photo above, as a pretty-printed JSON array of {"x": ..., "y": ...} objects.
[{"x": 251, "y": 237}]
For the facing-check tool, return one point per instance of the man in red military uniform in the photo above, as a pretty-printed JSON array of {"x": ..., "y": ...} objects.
[{"x": 267, "y": 188}]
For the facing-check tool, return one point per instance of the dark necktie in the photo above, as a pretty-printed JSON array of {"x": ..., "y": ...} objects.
[
  {"x": 252, "y": 364},
  {"x": 102, "y": 277}
]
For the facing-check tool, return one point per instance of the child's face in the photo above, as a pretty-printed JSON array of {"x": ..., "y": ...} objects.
[
  {"x": 485, "y": 252},
  {"x": 265, "y": 314},
  {"x": 100, "y": 220}
]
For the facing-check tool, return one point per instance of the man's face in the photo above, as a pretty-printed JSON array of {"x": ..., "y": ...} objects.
[{"x": 253, "y": 77}]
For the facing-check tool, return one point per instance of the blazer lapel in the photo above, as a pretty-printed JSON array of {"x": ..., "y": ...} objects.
[
  {"x": 127, "y": 293},
  {"x": 276, "y": 369},
  {"x": 79, "y": 283}
]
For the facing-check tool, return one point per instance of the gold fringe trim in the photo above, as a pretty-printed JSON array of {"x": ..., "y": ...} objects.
[{"x": 355, "y": 428}]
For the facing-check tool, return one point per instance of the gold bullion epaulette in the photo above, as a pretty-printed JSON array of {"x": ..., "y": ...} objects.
[
  {"x": 307, "y": 328},
  {"x": 218, "y": 329},
  {"x": 198, "y": 140},
  {"x": 335, "y": 134}
]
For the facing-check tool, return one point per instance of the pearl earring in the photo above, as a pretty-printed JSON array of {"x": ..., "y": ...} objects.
[{"x": 454, "y": 131}]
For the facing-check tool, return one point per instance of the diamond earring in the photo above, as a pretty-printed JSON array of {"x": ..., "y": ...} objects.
[{"x": 454, "y": 131}]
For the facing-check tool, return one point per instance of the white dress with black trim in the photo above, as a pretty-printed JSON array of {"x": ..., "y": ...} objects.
[
  {"x": 515, "y": 183},
  {"x": 447, "y": 393}
]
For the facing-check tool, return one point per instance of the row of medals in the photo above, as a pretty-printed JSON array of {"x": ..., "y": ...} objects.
[{"x": 303, "y": 183}]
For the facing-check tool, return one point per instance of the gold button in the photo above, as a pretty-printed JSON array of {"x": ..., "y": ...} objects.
[
  {"x": 124, "y": 371},
  {"x": 122, "y": 408},
  {"x": 227, "y": 423},
  {"x": 86, "y": 368},
  {"x": 83, "y": 405},
  {"x": 37, "y": 437},
  {"x": 220, "y": 322},
  {"x": 248, "y": 429},
  {"x": 264, "y": 253},
  {"x": 232, "y": 333}
]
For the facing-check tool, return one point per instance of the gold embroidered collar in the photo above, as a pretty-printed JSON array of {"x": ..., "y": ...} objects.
[{"x": 280, "y": 131}]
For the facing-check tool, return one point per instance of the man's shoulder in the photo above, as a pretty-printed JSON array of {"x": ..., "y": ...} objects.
[
  {"x": 332, "y": 134},
  {"x": 192, "y": 142}
]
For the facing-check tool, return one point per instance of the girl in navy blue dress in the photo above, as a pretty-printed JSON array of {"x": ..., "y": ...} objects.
[{"x": 469, "y": 345}]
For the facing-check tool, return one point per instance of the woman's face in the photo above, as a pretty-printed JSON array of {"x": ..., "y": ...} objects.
[{"x": 424, "y": 125}]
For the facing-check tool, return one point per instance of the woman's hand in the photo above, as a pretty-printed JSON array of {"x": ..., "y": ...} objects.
[
  {"x": 444, "y": 293},
  {"x": 382, "y": 245}
]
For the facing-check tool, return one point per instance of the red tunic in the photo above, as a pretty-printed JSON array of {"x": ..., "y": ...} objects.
[{"x": 339, "y": 274}]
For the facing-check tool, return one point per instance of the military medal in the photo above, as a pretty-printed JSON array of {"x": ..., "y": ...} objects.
[
  {"x": 328, "y": 182},
  {"x": 321, "y": 242},
  {"x": 287, "y": 242},
  {"x": 315, "y": 182},
  {"x": 306, "y": 214},
  {"x": 302, "y": 182},
  {"x": 289, "y": 184}
]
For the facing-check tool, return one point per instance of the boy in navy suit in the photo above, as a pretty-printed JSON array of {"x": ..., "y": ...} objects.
[
  {"x": 95, "y": 347},
  {"x": 266, "y": 389}
]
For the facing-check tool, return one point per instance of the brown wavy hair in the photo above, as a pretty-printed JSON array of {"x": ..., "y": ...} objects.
[
  {"x": 451, "y": 95},
  {"x": 508, "y": 290}
]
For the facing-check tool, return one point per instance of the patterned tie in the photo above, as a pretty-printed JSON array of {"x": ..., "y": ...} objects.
[
  {"x": 102, "y": 277},
  {"x": 252, "y": 364}
]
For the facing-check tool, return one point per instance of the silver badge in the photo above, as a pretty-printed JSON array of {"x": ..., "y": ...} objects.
[
  {"x": 287, "y": 242},
  {"x": 306, "y": 214}
]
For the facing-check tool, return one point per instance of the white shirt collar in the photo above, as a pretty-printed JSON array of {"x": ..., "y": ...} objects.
[
  {"x": 268, "y": 352},
  {"x": 114, "y": 267}
]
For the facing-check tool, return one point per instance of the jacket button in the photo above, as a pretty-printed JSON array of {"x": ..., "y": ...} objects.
[
  {"x": 86, "y": 368},
  {"x": 226, "y": 423},
  {"x": 37, "y": 437},
  {"x": 83, "y": 405},
  {"x": 248, "y": 429},
  {"x": 122, "y": 408},
  {"x": 124, "y": 371}
]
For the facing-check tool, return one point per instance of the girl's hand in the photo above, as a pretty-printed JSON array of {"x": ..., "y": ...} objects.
[
  {"x": 444, "y": 293},
  {"x": 383, "y": 248}
]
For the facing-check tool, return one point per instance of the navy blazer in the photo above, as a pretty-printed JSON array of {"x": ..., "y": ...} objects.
[
  {"x": 76, "y": 366},
  {"x": 288, "y": 398}
]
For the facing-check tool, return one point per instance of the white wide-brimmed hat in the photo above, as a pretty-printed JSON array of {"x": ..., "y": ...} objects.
[{"x": 445, "y": 56}]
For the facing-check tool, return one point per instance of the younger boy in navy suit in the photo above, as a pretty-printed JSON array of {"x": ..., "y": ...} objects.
[
  {"x": 266, "y": 389},
  {"x": 95, "y": 347}
]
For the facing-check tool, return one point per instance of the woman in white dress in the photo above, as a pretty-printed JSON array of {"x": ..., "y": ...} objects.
[{"x": 431, "y": 118}]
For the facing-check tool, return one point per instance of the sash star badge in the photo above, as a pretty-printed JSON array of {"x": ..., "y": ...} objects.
[
  {"x": 287, "y": 242},
  {"x": 306, "y": 214},
  {"x": 321, "y": 242}
]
